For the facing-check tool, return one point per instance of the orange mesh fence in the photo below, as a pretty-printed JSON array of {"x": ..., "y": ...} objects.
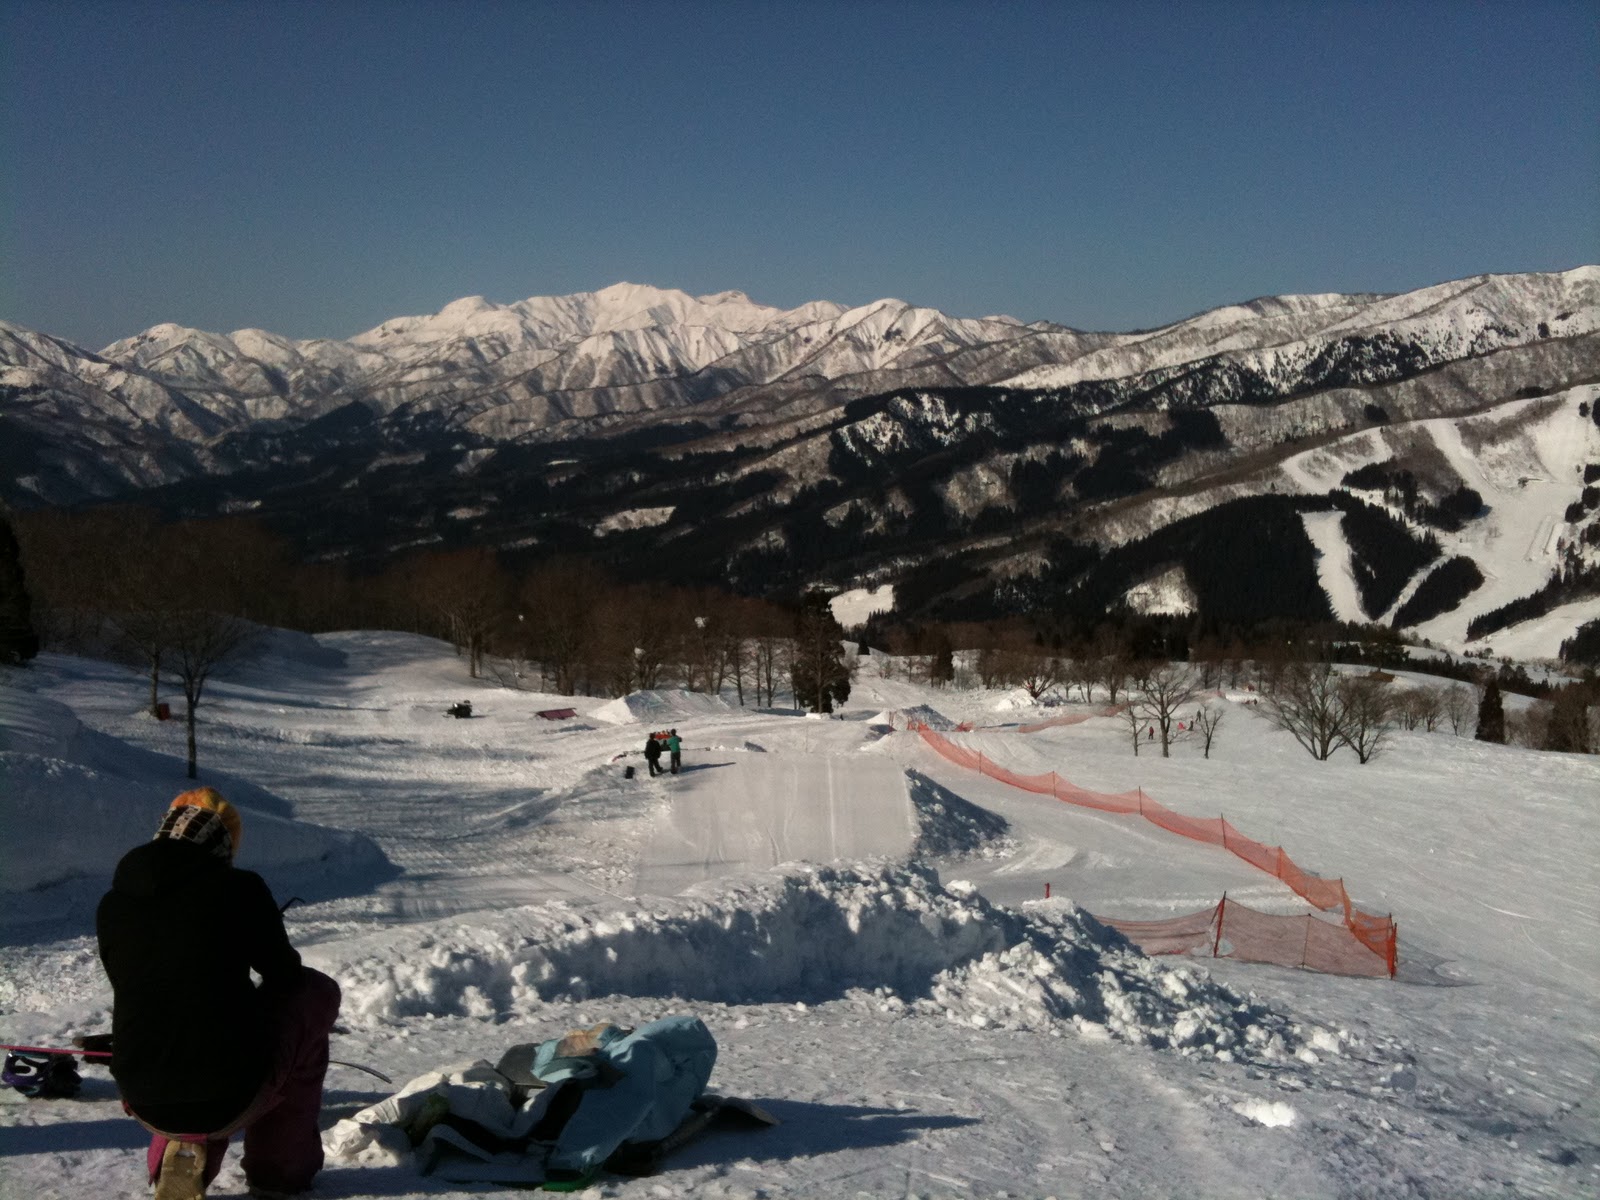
[
  {"x": 1230, "y": 930},
  {"x": 1071, "y": 719},
  {"x": 1193, "y": 933},
  {"x": 1375, "y": 935}
]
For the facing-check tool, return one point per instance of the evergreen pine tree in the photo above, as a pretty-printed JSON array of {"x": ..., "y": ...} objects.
[
  {"x": 1491, "y": 714},
  {"x": 819, "y": 672},
  {"x": 18, "y": 641},
  {"x": 1569, "y": 720}
]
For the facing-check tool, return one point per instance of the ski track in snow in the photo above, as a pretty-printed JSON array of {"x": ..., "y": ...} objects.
[{"x": 914, "y": 1039}]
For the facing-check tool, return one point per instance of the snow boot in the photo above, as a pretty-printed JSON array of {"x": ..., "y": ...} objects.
[{"x": 183, "y": 1169}]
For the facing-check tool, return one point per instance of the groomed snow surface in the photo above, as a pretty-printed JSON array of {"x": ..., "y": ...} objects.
[{"x": 860, "y": 923}]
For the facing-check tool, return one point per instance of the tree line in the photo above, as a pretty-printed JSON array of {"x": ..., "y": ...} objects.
[{"x": 180, "y": 599}]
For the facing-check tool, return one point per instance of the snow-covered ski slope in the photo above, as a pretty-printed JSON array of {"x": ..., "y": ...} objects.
[
  {"x": 1525, "y": 458},
  {"x": 477, "y": 883}
]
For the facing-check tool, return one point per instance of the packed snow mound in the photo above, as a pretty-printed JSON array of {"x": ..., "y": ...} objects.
[
  {"x": 887, "y": 936},
  {"x": 662, "y": 707},
  {"x": 951, "y": 827},
  {"x": 287, "y": 647},
  {"x": 33, "y": 725},
  {"x": 922, "y": 714}
]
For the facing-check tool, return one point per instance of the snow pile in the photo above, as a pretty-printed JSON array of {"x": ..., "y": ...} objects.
[
  {"x": 886, "y": 936},
  {"x": 923, "y": 714},
  {"x": 661, "y": 707},
  {"x": 1018, "y": 700},
  {"x": 950, "y": 827}
]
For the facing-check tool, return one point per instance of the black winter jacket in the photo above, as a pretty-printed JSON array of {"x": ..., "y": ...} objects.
[{"x": 192, "y": 1036}]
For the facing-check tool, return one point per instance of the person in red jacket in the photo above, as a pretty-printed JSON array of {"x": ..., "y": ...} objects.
[{"x": 199, "y": 1051}]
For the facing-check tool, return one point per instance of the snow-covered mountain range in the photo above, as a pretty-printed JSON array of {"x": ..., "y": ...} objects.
[{"x": 858, "y": 444}]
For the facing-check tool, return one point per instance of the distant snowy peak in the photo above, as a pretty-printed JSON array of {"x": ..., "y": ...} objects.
[
  {"x": 646, "y": 332},
  {"x": 556, "y": 320},
  {"x": 1460, "y": 318}
]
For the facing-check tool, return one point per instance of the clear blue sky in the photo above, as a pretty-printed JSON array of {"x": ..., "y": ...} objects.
[{"x": 315, "y": 168}]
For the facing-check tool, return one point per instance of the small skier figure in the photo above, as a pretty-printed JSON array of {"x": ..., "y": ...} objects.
[
  {"x": 198, "y": 1051},
  {"x": 675, "y": 747},
  {"x": 652, "y": 755}
]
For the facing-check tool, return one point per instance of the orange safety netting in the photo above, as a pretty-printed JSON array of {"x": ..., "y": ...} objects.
[
  {"x": 1231, "y": 930},
  {"x": 1073, "y": 719},
  {"x": 1376, "y": 936}
]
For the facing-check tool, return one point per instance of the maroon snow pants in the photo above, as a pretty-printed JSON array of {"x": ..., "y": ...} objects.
[{"x": 282, "y": 1143}]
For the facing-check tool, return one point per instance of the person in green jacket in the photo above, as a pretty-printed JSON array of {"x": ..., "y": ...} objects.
[{"x": 675, "y": 748}]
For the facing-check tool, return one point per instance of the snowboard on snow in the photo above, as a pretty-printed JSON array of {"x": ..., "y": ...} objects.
[{"x": 51, "y": 1072}]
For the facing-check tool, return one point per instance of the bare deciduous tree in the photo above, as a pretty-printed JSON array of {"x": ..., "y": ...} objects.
[
  {"x": 1134, "y": 720},
  {"x": 1419, "y": 707},
  {"x": 1459, "y": 704},
  {"x": 202, "y": 640},
  {"x": 768, "y": 653},
  {"x": 1165, "y": 689},
  {"x": 210, "y": 575},
  {"x": 467, "y": 593},
  {"x": 1078, "y": 672},
  {"x": 1367, "y": 712},
  {"x": 1111, "y": 672},
  {"x": 1307, "y": 703},
  {"x": 557, "y": 602},
  {"x": 1206, "y": 723}
]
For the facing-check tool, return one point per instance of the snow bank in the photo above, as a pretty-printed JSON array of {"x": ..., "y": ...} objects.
[
  {"x": 664, "y": 707},
  {"x": 890, "y": 937},
  {"x": 72, "y": 802}
]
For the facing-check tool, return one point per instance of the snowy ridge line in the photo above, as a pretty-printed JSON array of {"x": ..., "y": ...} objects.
[
  {"x": 1374, "y": 934},
  {"x": 887, "y": 937}
]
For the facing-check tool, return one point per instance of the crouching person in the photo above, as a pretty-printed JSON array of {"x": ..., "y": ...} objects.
[{"x": 198, "y": 1051}]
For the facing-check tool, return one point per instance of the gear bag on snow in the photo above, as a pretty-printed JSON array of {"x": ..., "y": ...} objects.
[
  {"x": 42, "y": 1076},
  {"x": 552, "y": 1112}
]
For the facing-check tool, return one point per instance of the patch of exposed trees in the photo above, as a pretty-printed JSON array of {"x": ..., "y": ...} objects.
[
  {"x": 1326, "y": 710},
  {"x": 179, "y": 601}
]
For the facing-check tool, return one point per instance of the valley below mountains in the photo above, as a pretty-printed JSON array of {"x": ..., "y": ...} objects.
[{"x": 1428, "y": 461}]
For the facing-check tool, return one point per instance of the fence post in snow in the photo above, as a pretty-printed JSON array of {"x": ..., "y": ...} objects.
[
  {"x": 1222, "y": 907},
  {"x": 1305, "y": 949}
]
